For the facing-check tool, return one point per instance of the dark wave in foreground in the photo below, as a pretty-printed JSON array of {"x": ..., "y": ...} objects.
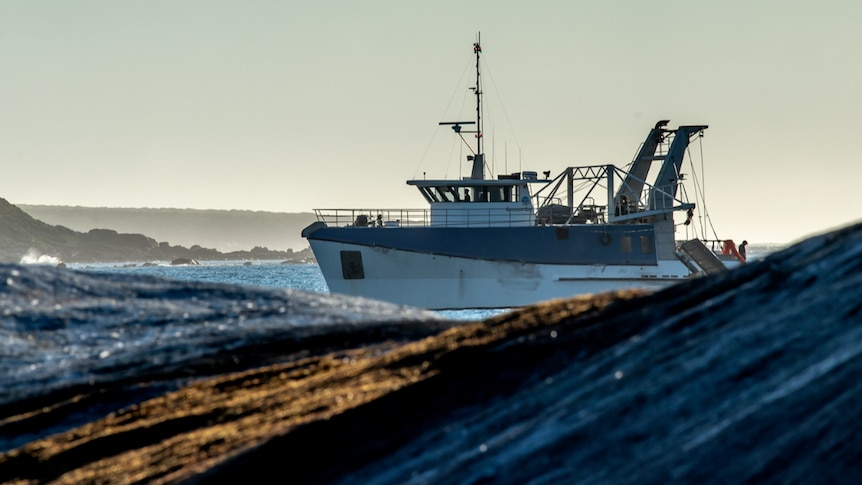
[{"x": 750, "y": 376}]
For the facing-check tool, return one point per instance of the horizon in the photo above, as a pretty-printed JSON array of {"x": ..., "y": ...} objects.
[
  {"x": 751, "y": 244},
  {"x": 271, "y": 107}
]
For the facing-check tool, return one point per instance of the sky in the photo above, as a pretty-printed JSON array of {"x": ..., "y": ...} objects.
[{"x": 288, "y": 106}]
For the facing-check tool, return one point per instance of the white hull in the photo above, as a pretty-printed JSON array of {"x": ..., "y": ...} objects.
[{"x": 442, "y": 282}]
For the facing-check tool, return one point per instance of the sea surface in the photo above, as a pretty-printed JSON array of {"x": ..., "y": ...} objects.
[
  {"x": 276, "y": 274},
  {"x": 263, "y": 273},
  {"x": 750, "y": 376},
  {"x": 93, "y": 330},
  {"x": 97, "y": 324}
]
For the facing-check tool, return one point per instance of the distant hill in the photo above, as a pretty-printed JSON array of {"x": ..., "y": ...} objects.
[
  {"x": 224, "y": 230},
  {"x": 23, "y": 235}
]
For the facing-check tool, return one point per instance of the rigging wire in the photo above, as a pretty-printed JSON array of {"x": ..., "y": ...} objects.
[
  {"x": 698, "y": 199},
  {"x": 703, "y": 185},
  {"x": 485, "y": 116},
  {"x": 455, "y": 91},
  {"x": 703, "y": 175},
  {"x": 486, "y": 108},
  {"x": 700, "y": 192},
  {"x": 460, "y": 159},
  {"x": 499, "y": 100}
]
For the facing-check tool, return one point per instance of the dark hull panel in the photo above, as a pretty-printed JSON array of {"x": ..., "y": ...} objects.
[{"x": 582, "y": 244}]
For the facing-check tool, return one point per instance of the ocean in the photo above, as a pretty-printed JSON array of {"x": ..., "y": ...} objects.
[
  {"x": 747, "y": 376},
  {"x": 100, "y": 324},
  {"x": 121, "y": 333},
  {"x": 274, "y": 274},
  {"x": 263, "y": 273}
]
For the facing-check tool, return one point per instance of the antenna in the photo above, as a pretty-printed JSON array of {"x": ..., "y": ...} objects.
[
  {"x": 477, "y": 49},
  {"x": 478, "y": 157}
]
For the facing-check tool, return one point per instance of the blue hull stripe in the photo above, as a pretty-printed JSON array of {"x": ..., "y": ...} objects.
[{"x": 622, "y": 244}]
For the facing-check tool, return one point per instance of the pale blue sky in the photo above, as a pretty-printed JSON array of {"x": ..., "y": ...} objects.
[{"x": 289, "y": 106}]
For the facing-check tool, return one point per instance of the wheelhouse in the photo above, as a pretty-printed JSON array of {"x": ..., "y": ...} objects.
[{"x": 506, "y": 201}]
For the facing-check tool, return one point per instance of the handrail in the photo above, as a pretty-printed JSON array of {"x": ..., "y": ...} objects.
[
  {"x": 473, "y": 217},
  {"x": 349, "y": 217}
]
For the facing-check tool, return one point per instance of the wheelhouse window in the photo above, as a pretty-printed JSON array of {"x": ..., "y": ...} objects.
[
  {"x": 478, "y": 193},
  {"x": 500, "y": 193},
  {"x": 496, "y": 193},
  {"x": 429, "y": 194},
  {"x": 447, "y": 194}
]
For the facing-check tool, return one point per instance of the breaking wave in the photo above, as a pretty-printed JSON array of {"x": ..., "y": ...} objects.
[{"x": 33, "y": 256}]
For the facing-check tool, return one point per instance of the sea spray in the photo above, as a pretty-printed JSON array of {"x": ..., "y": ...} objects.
[{"x": 32, "y": 256}]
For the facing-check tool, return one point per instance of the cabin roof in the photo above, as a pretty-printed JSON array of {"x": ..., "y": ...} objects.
[{"x": 473, "y": 182}]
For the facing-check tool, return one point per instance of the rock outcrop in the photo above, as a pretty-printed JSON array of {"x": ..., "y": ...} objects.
[{"x": 748, "y": 376}]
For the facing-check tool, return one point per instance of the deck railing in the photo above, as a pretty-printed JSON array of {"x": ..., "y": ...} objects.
[
  {"x": 369, "y": 217},
  {"x": 495, "y": 217},
  {"x": 491, "y": 217}
]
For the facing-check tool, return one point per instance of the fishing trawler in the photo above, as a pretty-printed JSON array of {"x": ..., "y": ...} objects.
[{"x": 519, "y": 238}]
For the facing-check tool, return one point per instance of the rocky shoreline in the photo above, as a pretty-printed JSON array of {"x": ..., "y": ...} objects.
[
  {"x": 748, "y": 376},
  {"x": 22, "y": 236}
]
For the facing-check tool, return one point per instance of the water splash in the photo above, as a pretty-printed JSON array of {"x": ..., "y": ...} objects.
[{"x": 32, "y": 256}]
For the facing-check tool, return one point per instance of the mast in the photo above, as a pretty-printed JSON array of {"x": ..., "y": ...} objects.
[
  {"x": 477, "y": 49},
  {"x": 478, "y": 157},
  {"x": 478, "y": 172}
]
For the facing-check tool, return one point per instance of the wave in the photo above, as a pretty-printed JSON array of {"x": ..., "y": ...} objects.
[{"x": 33, "y": 256}]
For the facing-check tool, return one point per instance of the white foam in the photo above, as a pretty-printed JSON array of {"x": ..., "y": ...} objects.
[{"x": 35, "y": 257}]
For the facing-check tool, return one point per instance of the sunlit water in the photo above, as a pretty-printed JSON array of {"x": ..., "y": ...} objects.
[
  {"x": 62, "y": 329},
  {"x": 275, "y": 274},
  {"x": 270, "y": 274}
]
